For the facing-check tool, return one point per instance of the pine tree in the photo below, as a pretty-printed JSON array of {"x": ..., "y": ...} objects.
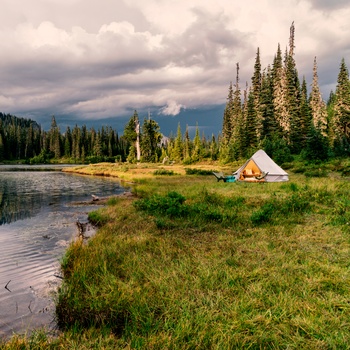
[
  {"x": 242, "y": 135},
  {"x": 132, "y": 134},
  {"x": 68, "y": 143},
  {"x": 213, "y": 148},
  {"x": 330, "y": 120},
  {"x": 177, "y": 151},
  {"x": 55, "y": 139},
  {"x": 292, "y": 95},
  {"x": 76, "y": 139},
  {"x": 235, "y": 146},
  {"x": 1, "y": 148},
  {"x": 187, "y": 147},
  {"x": 151, "y": 137},
  {"x": 256, "y": 94},
  {"x": 85, "y": 141},
  {"x": 305, "y": 115},
  {"x": 269, "y": 126},
  {"x": 228, "y": 117},
  {"x": 251, "y": 135},
  {"x": 28, "y": 152},
  {"x": 317, "y": 105},
  {"x": 316, "y": 145},
  {"x": 280, "y": 94},
  {"x": 98, "y": 145},
  {"x": 342, "y": 105},
  {"x": 197, "y": 147}
]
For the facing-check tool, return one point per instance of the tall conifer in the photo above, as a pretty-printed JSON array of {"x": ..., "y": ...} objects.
[
  {"x": 251, "y": 135},
  {"x": 177, "y": 152},
  {"x": 236, "y": 142},
  {"x": 269, "y": 126},
  {"x": 256, "y": 93},
  {"x": 280, "y": 93},
  {"x": 292, "y": 94},
  {"x": 197, "y": 147},
  {"x": 342, "y": 104},
  {"x": 305, "y": 114},
  {"x": 228, "y": 116},
  {"x": 187, "y": 146},
  {"x": 317, "y": 105}
]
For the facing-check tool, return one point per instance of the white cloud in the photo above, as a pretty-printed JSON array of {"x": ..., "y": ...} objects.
[{"x": 172, "y": 108}]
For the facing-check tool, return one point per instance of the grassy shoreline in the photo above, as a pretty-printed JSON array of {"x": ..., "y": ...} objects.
[{"x": 192, "y": 263}]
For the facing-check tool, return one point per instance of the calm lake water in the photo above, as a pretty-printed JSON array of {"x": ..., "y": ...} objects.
[{"x": 37, "y": 222}]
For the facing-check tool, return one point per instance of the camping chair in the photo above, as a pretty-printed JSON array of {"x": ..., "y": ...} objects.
[
  {"x": 261, "y": 176},
  {"x": 220, "y": 176}
]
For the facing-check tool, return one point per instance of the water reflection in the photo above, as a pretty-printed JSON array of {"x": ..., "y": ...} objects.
[
  {"x": 13, "y": 207},
  {"x": 23, "y": 196},
  {"x": 37, "y": 222}
]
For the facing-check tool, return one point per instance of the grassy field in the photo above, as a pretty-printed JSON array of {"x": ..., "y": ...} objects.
[{"x": 192, "y": 263}]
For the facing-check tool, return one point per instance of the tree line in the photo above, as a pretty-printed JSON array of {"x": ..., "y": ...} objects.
[
  {"x": 279, "y": 115},
  {"x": 24, "y": 139}
]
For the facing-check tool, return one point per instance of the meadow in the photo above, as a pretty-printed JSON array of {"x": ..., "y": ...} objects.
[{"x": 191, "y": 263}]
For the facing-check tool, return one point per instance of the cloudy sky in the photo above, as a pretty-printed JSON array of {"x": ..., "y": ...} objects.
[{"x": 91, "y": 61}]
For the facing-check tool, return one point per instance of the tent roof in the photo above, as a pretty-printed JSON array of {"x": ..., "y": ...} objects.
[{"x": 264, "y": 163}]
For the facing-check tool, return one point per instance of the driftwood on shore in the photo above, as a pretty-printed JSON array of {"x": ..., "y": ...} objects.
[{"x": 101, "y": 200}]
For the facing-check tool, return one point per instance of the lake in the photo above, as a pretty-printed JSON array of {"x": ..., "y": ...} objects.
[{"x": 37, "y": 222}]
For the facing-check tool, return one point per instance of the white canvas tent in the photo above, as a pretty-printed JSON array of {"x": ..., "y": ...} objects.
[{"x": 261, "y": 168}]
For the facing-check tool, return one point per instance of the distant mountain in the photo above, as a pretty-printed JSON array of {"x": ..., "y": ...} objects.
[{"x": 9, "y": 119}]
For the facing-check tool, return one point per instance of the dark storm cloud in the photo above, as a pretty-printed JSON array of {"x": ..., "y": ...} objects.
[
  {"x": 91, "y": 60},
  {"x": 206, "y": 40}
]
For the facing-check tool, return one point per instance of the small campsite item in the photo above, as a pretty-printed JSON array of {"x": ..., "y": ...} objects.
[
  {"x": 224, "y": 178},
  {"x": 260, "y": 168}
]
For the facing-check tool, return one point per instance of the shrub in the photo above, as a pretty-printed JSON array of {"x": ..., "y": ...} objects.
[
  {"x": 97, "y": 218},
  {"x": 118, "y": 158},
  {"x": 163, "y": 172},
  {"x": 346, "y": 171},
  {"x": 190, "y": 171},
  {"x": 315, "y": 173},
  {"x": 264, "y": 214},
  {"x": 296, "y": 203},
  {"x": 171, "y": 204},
  {"x": 317, "y": 147}
]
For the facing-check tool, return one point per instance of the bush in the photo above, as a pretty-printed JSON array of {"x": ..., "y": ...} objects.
[
  {"x": 199, "y": 171},
  {"x": 99, "y": 159},
  {"x": 170, "y": 205},
  {"x": 316, "y": 173},
  {"x": 317, "y": 147},
  {"x": 163, "y": 172},
  {"x": 97, "y": 218},
  {"x": 42, "y": 158},
  {"x": 118, "y": 159},
  {"x": 277, "y": 149},
  {"x": 264, "y": 214},
  {"x": 346, "y": 171},
  {"x": 296, "y": 203}
]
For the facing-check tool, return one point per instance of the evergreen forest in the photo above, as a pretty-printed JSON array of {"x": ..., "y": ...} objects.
[{"x": 275, "y": 112}]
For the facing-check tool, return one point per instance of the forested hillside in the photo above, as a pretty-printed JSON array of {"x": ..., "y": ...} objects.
[
  {"x": 278, "y": 114},
  {"x": 24, "y": 139}
]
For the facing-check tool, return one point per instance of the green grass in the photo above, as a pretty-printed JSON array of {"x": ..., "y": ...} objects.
[{"x": 198, "y": 264}]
